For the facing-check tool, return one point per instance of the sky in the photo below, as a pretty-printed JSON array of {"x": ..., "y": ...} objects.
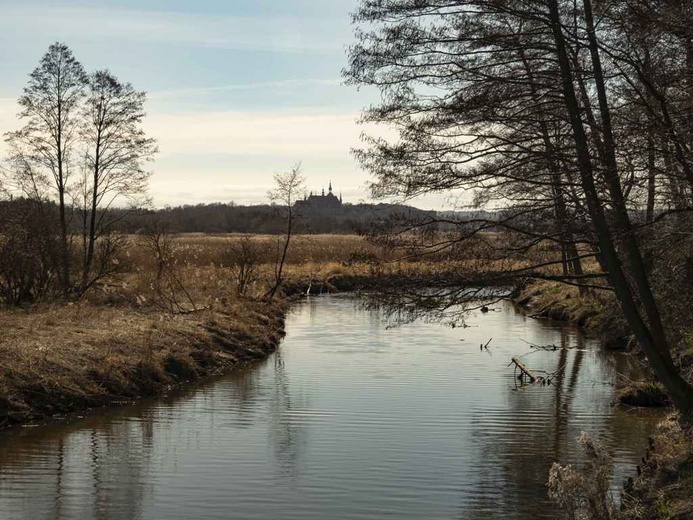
[{"x": 237, "y": 89}]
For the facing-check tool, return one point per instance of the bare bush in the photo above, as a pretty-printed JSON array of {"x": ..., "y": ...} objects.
[
  {"x": 170, "y": 293},
  {"x": 288, "y": 185},
  {"x": 29, "y": 253},
  {"x": 245, "y": 258}
]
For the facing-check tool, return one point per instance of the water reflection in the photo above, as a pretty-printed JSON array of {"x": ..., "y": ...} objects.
[
  {"x": 94, "y": 470},
  {"x": 287, "y": 438},
  {"x": 349, "y": 420}
]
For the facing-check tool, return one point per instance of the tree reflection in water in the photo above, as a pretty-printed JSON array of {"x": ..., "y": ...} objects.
[
  {"x": 287, "y": 435},
  {"x": 58, "y": 463},
  {"x": 542, "y": 426}
]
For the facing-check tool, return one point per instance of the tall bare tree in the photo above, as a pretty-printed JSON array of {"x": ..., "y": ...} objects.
[
  {"x": 43, "y": 150},
  {"x": 518, "y": 100},
  {"x": 116, "y": 151}
]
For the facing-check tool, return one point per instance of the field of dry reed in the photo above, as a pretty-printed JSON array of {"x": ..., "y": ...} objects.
[{"x": 174, "y": 311}]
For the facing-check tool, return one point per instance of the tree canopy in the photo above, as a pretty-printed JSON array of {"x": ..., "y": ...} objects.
[{"x": 565, "y": 116}]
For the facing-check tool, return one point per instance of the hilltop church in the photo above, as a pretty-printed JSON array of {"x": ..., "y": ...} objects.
[{"x": 313, "y": 204}]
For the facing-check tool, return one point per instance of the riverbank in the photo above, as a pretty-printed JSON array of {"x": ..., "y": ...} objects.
[
  {"x": 61, "y": 359},
  {"x": 164, "y": 320},
  {"x": 596, "y": 312},
  {"x": 122, "y": 343},
  {"x": 663, "y": 488}
]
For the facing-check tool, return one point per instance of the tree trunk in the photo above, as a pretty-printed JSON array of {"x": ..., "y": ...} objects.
[
  {"x": 570, "y": 258},
  {"x": 651, "y": 338},
  {"x": 91, "y": 239},
  {"x": 280, "y": 268},
  {"x": 64, "y": 242}
]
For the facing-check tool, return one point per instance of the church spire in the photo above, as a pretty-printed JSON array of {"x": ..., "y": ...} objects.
[{"x": 330, "y": 189}]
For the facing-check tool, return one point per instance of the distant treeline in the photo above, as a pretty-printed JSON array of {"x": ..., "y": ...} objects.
[
  {"x": 267, "y": 219},
  {"x": 230, "y": 218}
]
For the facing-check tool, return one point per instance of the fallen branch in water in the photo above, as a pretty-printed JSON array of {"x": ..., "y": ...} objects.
[
  {"x": 550, "y": 347},
  {"x": 544, "y": 379},
  {"x": 524, "y": 371}
]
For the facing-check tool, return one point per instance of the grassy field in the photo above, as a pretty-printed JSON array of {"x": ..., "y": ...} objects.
[
  {"x": 173, "y": 313},
  {"x": 161, "y": 319}
]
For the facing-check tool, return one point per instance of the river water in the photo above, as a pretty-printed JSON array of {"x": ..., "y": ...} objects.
[{"x": 350, "y": 419}]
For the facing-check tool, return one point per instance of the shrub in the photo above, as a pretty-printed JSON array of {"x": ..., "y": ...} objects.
[
  {"x": 245, "y": 257},
  {"x": 29, "y": 251}
]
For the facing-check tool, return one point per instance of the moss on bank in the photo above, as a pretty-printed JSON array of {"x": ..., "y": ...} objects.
[{"x": 62, "y": 359}]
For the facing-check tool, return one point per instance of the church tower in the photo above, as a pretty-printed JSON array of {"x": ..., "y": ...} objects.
[{"x": 320, "y": 202}]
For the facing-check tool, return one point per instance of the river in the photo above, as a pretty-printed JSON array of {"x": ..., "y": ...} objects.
[{"x": 350, "y": 419}]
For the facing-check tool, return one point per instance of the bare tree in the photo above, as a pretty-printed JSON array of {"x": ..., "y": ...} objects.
[
  {"x": 627, "y": 271},
  {"x": 43, "y": 150},
  {"x": 288, "y": 186},
  {"x": 116, "y": 152}
]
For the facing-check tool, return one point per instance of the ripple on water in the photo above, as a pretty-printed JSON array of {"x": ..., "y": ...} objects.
[{"x": 349, "y": 420}]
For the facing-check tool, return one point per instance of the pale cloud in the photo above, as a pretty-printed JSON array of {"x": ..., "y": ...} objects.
[
  {"x": 232, "y": 155},
  {"x": 8, "y": 113},
  {"x": 270, "y": 85},
  {"x": 300, "y": 133},
  {"x": 275, "y": 34}
]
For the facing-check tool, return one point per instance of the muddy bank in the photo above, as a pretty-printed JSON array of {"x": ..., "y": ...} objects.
[
  {"x": 343, "y": 282},
  {"x": 63, "y": 359},
  {"x": 596, "y": 312},
  {"x": 663, "y": 487}
]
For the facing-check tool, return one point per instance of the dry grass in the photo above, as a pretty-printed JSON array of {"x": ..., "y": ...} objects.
[
  {"x": 127, "y": 339},
  {"x": 58, "y": 359},
  {"x": 664, "y": 489},
  {"x": 122, "y": 341},
  {"x": 198, "y": 249},
  {"x": 594, "y": 310}
]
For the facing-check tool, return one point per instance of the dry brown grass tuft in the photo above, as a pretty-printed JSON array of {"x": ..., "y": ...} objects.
[
  {"x": 596, "y": 311},
  {"x": 585, "y": 493},
  {"x": 664, "y": 489}
]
